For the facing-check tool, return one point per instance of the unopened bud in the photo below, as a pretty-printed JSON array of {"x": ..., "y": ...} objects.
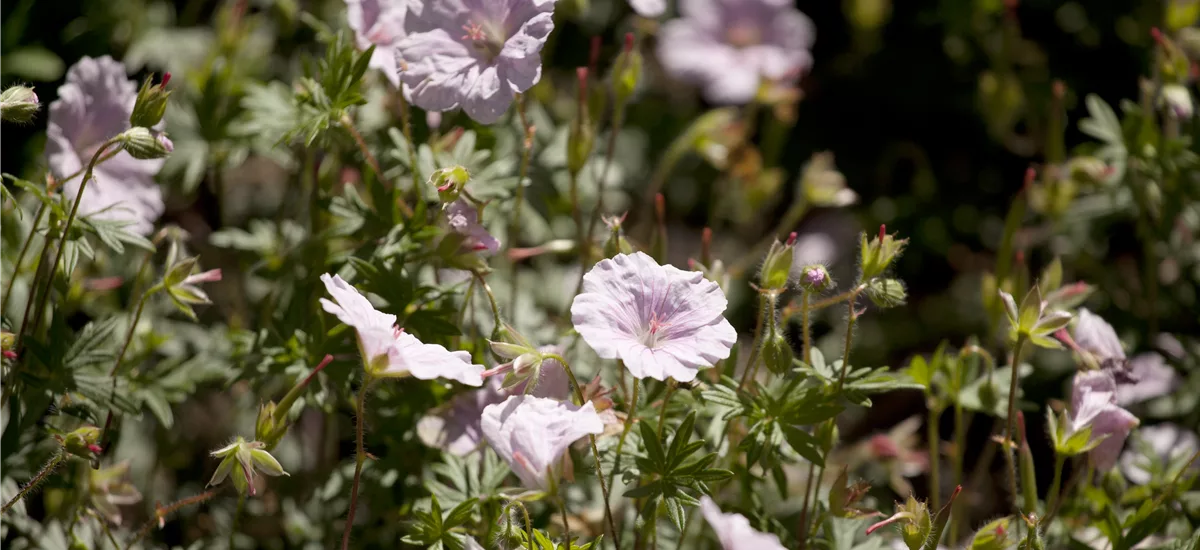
[
  {"x": 815, "y": 278},
  {"x": 581, "y": 136},
  {"x": 151, "y": 103},
  {"x": 777, "y": 267},
  {"x": 449, "y": 182},
  {"x": 777, "y": 353},
  {"x": 993, "y": 536},
  {"x": 886, "y": 293},
  {"x": 146, "y": 144},
  {"x": 627, "y": 71},
  {"x": 822, "y": 185},
  {"x": 83, "y": 442},
  {"x": 616, "y": 243},
  {"x": 878, "y": 254},
  {"x": 18, "y": 104}
]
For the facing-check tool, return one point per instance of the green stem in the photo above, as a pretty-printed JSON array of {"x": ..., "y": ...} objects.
[
  {"x": 406, "y": 128},
  {"x": 104, "y": 528},
  {"x": 662, "y": 413},
  {"x": 851, "y": 317},
  {"x": 160, "y": 513},
  {"x": 802, "y": 530},
  {"x": 112, "y": 373},
  {"x": 805, "y": 328},
  {"x": 514, "y": 227},
  {"x": 348, "y": 124},
  {"x": 528, "y": 523},
  {"x": 618, "y": 119},
  {"x": 21, "y": 256},
  {"x": 612, "y": 525},
  {"x": 360, "y": 457},
  {"x": 237, "y": 517},
  {"x": 935, "y": 475},
  {"x": 577, "y": 215},
  {"x": 817, "y": 499},
  {"x": 562, "y": 507},
  {"x": 960, "y": 442},
  {"x": 53, "y": 464},
  {"x": 285, "y": 405},
  {"x": 633, "y": 406},
  {"x": 755, "y": 344},
  {"x": 1011, "y": 427},
  {"x": 1055, "y": 486},
  {"x": 66, "y": 232},
  {"x": 487, "y": 290}
]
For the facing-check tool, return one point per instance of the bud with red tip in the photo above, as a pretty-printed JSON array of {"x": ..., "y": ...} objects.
[
  {"x": 878, "y": 254},
  {"x": 777, "y": 267},
  {"x": 151, "y": 103}
]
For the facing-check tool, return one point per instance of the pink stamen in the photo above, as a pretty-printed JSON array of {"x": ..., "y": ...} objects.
[
  {"x": 474, "y": 32},
  {"x": 888, "y": 521},
  {"x": 95, "y": 448},
  {"x": 882, "y": 231},
  {"x": 166, "y": 79},
  {"x": 502, "y": 369},
  {"x": 791, "y": 240}
]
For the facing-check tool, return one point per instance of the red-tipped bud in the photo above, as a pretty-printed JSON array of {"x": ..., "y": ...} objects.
[
  {"x": 882, "y": 231},
  {"x": 581, "y": 74},
  {"x": 594, "y": 53},
  {"x": 791, "y": 240},
  {"x": 1157, "y": 35},
  {"x": 1030, "y": 176},
  {"x": 628, "y": 45},
  {"x": 166, "y": 79}
]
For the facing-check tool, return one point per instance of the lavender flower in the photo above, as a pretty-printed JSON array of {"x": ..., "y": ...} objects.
[
  {"x": 734, "y": 531},
  {"x": 456, "y": 427},
  {"x": 532, "y": 433},
  {"x": 730, "y": 46},
  {"x": 379, "y": 23},
  {"x": 387, "y": 350},
  {"x": 92, "y": 106},
  {"x": 473, "y": 54},
  {"x": 662, "y": 321},
  {"x": 1094, "y": 405},
  {"x": 464, "y": 220},
  {"x": 1144, "y": 377},
  {"x": 1166, "y": 448}
]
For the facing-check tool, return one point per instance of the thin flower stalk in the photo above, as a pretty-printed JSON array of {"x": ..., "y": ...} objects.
[{"x": 55, "y": 461}]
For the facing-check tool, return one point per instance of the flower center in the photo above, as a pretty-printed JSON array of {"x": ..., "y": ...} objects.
[
  {"x": 743, "y": 35},
  {"x": 656, "y": 329},
  {"x": 485, "y": 39}
]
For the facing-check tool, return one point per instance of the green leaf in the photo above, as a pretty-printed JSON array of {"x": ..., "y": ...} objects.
[
  {"x": 676, "y": 512},
  {"x": 650, "y": 443}
]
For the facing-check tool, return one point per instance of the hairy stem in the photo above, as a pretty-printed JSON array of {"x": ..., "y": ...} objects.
[
  {"x": 37, "y": 219},
  {"x": 935, "y": 461},
  {"x": 1011, "y": 427},
  {"x": 851, "y": 317},
  {"x": 514, "y": 226},
  {"x": 756, "y": 343},
  {"x": 348, "y": 124},
  {"x": 805, "y": 328},
  {"x": 802, "y": 530},
  {"x": 53, "y": 464},
  {"x": 632, "y": 404},
  {"x": 562, "y": 507},
  {"x": 406, "y": 128},
  {"x": 612, "y": 525},
  {"x": 960, "y": 443},
  {"x": 237, "y": 518},
  {"x": 360, "y": 457},
  {"x": 161, "y": 513}
]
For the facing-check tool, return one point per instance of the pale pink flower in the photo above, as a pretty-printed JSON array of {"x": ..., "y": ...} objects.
[
  {"x": 531, "y": 434},
  {"x": 1144, "y": 377},
  {"x": 464, "y": 220},
  {"x": 379, "y": 23},
  {"x": 1094, "y": 404},
  {"x": 734, "y": 531},
  {"x": 660, "y": 320},
  {"x": 387, "y": 350}
]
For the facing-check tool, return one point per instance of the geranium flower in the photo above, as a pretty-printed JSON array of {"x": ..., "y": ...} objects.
[
  {"x": 1166, "y": 446},
  {"x": 455, "y": 427},
  {"x": 734, "y": 531},
  {"x": 387, "y": 350},
  {"x": 730, "y": 46},
  {"x": 662, "y": 321},
  {"x": 532, "y": 433},
  {"x": 464, "y": 220},
  {"x": 1144, "y": 377},
  {"x": 1094, "y": 404},
  {"x": 379, "y": 23},
  {"x": 93, "y": 106},
  {"x": 473, "y": 54}
]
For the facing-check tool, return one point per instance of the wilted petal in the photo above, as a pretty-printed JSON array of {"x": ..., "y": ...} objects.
[
  {"x": 532, "y": 433},
  {"x": 734, "y": 531},
  {"x": 1115, "y": 423},
  {"x": 222, "y": 471},
  {"x": 660, "y": 320},
  {"x": 1097, "y": 337},
  {"x": 1093, "y": 404},
  {"x": 1152, "y": 377}
]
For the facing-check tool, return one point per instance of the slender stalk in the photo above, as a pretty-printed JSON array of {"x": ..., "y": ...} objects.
[
  {"x": 161, "y": 513},
  {"x": 755, "y": 344},
  {"x": 66, "y": 231},
  {"x": 37, "y": 219},
  {"x": 618, "y": 119},
  {"x": 612, "y": 525},
  {"x": 805, "y": 328},
  {"x": 360, "y": 457},
  {"x": 577, "y": 214},
  {"x": 55, "y": 461},
  {"x": 960, "y": 443},
  {"x": 1059, "y": 461},
  {"x": 528, "y": 523},
  {"x": 562, "y": 507},
  {"x": 789, "y": 312},
  {"x": 237, "y": 517},
  {"x": 487, "y": 290},
  {"x": 802, "y": 530},
  {"x": 851, "y": 317},
  {"x": 816, "y": 523},
  {"x": 137, "y": 316},
  {"x": 348, "y": 124},
  {"x": 514, "y": 227},
  {"x": 406, "y": 128},
  {"x": 1012, "y": 417},
  {"x": 112, "y": 373},
  {"x": 662, "y": 414},
  {"x": 935, "y": 474},
  {"x": 633, "y": 405},
  {"x": 104, "y": 528}
]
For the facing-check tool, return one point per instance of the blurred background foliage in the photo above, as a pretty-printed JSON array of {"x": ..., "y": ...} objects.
[{"x": 933, "y": 111}]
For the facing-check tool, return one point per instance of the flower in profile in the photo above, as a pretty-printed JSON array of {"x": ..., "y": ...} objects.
[
  {"x": 463, "y": 219},
  {"x": 1094, "y": 405},
  {"x": 532, "y": 433},
  {"x": 455, "y": 427},
  {"x": 379, "y": 23},
  {"x": 1144, "y": 377},
  {"x": 109, "y": 489},
  {"x": 734, "y": 531},
  {"x": 243, "y": 459},
  {"x": 1159, "y": 450},
  {"x": 660, "y": 320},
  {"x": 473, "y": 54},
  {"x": 387, "y": 350},
  {"x": 1152, "y": 376},
  {"x": 93, "y": 106},
  {"x": 729, "y": 47}
]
